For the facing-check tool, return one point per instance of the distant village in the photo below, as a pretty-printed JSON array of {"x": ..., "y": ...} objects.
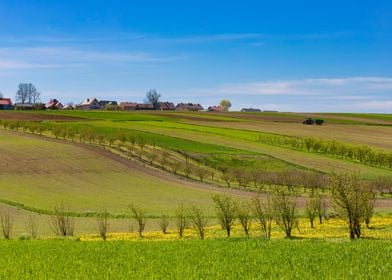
[{"x": 28, "y": 99}]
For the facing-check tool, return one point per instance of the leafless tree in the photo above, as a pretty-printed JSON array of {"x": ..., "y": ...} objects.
[
  {"x": 187, "y": 170},
  {"x": 6, "y": 224},
  {"x": 198, "y": 219},
  {"x": 32, "y": 226},
  {"x": 226, "y": 210},
  {"x": 163, "y": 159},
  {"x": 62, "y": 223},
  {"x": 285, "y": 209},
  {"x": 27, "y": 92},
  {"x": 226, "y": 176},
  {"x": 174, "y": 166},
  {"x": 264, "y": 213},
  {"x": 244, "y": 216},
  {"x": 152, "y": 156},
  {"x": 164, "y": 223},
  {"x": 181, "y": 219},
  {"x": 140, "y": 217},
  {"x": 142, "y": 143},
  {"x": 152, "y": 97},
  {"x": 201, "y": 173},
  {"x": 103, "y": 225}
]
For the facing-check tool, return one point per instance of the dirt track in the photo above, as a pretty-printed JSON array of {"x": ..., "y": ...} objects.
[
  {"x": 34, "y": 117},
  {"x": 150, "y": 171}
]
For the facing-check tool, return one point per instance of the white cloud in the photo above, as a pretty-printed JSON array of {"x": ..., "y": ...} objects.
[
  {"x": 384, "y": 105},
  {"x": 67, "y": 57},
  {"x": 322, "y": 86}
]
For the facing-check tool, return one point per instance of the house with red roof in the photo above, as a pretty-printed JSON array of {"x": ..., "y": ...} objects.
[{"x": 6, "y": 104}]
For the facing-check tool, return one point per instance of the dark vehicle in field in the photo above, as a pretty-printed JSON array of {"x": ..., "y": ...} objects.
[{"x": 310, "y": 121}]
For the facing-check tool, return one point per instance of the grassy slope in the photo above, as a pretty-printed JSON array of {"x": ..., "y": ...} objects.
[
  {"x": 208, "y": 259},
  {"x": 42, "y": 173}
]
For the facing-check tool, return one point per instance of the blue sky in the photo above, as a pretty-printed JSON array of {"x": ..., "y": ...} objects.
[{"x": 275, "y": 55}]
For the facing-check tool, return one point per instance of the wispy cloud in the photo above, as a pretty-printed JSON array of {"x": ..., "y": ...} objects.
[
  {"x": 318, "y": 87},
  {"x": 67, "y": 57},
  {"x": 256, "y": 39}
]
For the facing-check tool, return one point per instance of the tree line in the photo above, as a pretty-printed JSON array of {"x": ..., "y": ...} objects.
[
  {"x": 355, "y": 152},
  {"x": 351, "y": 199}
]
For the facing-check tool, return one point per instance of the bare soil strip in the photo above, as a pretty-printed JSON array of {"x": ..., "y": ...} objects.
[{"x": 35, "y": 117}]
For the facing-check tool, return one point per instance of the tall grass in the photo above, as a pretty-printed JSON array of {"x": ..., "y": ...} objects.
[{"x": 195, "y": 259}]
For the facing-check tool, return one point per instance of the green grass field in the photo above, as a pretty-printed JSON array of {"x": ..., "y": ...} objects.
[
  {"x": 193, "y": 259},
  {"x": 39, "y": 172}
]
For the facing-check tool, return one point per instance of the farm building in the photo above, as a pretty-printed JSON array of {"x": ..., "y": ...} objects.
[
  {"x": 128, "y": 106},
  {"x": 144, "y": 106},
  {"x": 250, "y": 110},
  {"x": 189, "y": 107},
  {"x": 103, "y": 103},
  {"x": 214, "y": 109},
  {"x": 24, "y": 106},
  {"x": 53, "y": 104},
  {"x": 68, "y": 107},
  {"x": 89, "y": 104},
  {"x": 166, "y": 106},
  {"x": 6, "y": 104}
]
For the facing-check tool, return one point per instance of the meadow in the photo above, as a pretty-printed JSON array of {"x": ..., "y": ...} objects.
[{"x": 194, "y": 259}]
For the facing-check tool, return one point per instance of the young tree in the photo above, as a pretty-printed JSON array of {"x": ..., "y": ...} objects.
[
  {"x": 164, "y": 223},
  {"x": 285, "y": 209},
  {"x": 174, "y": 166},
  {"x": 181, "y": 219},
  {"x": 225, "y": 105},
  {"x": 201, "y": 173},
  {"x": 244, "y": 216},
  {"x": 351, "y": 198},
  {"x": 264, "y": 213},
  {"x": 311, "y": 209},
  {"x": 226, "y": 210},
  {"x": 187, "y": 170},
  {"x": 199, "y": 221},
  {"x": 152, "y": 156},
  {"x": 6, "y": 224},
  {"x": 62, "y": 223},
  {"x": 140, "y": 217},
  {"x": 163, "y": 159},
  {"x": 103, "y": 224},
  {"x": 226, "y": 176},
  {"x": 152, "y": 96},
  {"x": 32, "y": 226},
  {"x": 369, "y": 211}
]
